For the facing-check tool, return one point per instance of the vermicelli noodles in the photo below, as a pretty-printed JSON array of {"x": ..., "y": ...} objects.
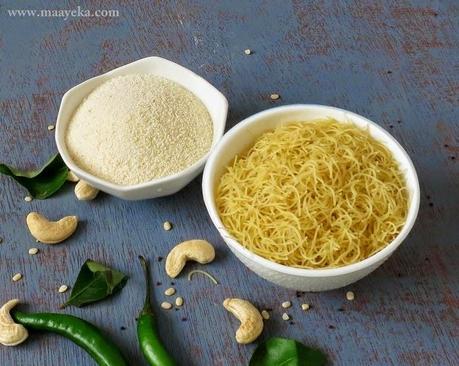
[{"x": 314, "y": 195}]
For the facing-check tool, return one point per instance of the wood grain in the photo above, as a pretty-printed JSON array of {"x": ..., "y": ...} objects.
[{"x": 394, "y": 62}]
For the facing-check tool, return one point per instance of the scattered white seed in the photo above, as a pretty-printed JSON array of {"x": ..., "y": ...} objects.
[
  {"x": 37, "y": 240},
  {"x": 166, "y": 305},
  {"x": 167, "y": 226},
  {"x": 50, "y": 127},
  {"x": 27, "y": 198},
  {"x": 248, "y": 51},
  {"x": 170, "y": 291},
  {"x": 285, "y": 316},
  {"x": 286, "y": 304},
  {"x": 265, "y": 314},
  {"x": 63, "y": 288},
  {"x": 33, "y": 251},
  {"x": 275, "y": 96},
  {"x": 305, "y": 307},
  {"x": 179, "y": 301},
  {"x": 350, "y": 295},
  {"x": 16, "y": 277}
]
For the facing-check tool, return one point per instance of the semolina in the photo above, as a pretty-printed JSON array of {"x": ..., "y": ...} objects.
[{"x": 138, "y": 127}]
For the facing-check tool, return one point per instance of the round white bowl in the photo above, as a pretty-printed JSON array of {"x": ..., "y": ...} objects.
[
  {"x": 215, "y": 102},
  {"x": 242, "y": 136}
]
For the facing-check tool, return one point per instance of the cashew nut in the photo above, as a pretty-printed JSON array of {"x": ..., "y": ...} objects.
[
  {"x": 196, "y": 250},
  {"x": 85, "y": 192},
  {"x": 11, "y": 333},
  {"x": 250, "y": 318},
  {"x": 51, "y": 232},
  {"x": 71, "y": 177}
]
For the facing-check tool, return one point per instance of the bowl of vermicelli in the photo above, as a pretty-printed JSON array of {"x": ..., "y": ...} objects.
[{"x": 311, "y": 197}]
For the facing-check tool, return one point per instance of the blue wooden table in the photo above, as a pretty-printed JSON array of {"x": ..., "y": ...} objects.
[{"x": 396, "y": 63}]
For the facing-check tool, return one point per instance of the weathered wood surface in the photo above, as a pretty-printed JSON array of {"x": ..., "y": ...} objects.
[{"x": 396, "y": 63}]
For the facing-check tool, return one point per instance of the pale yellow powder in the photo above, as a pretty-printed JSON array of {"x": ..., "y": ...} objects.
[{"x": 138, "y": 127}]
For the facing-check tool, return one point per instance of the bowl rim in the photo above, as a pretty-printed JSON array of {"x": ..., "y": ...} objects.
[
  {"x": 380, "y": 256},
  {"x": 62, "y": 147}
]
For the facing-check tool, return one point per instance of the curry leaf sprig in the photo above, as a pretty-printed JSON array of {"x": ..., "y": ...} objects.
[
  {"x": 283, "y": 351},
  {"x": 95, "y": 282},
  {"x": 41, "y": 183}
]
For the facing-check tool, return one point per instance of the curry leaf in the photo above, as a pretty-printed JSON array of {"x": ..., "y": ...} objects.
[
  {"x": 286, "y": 352},
  {"x": 95, "y": 282},
  {"x": 41, "y": 183}
]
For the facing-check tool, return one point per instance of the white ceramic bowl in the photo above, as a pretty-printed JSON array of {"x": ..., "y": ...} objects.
[
  {"x": 242, "y": 136},
  {"x": 214, "y": 101}
]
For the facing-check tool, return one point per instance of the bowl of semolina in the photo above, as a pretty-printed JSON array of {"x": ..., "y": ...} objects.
[{"x": 140, "y": 131}]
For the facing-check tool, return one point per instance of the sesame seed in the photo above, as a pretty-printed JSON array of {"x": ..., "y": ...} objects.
[
  {"x": 265, "y": 315},
  {"x": 17, "y": 277},
  {"x": 350, "y": 295},
  {"x": 248, "y": 51},
  {"x": 286, "y": 304},
  {"x": 28, "y": 198},
  {"x": 50, "y": 127},
  {"x": 275, "y": 96},
  {"x": 167, "y": 226},
  {"x": 179, "y": 301},
  {"x": 170, "y": 291},
  {"x": 166, "y": 305},
  {"x": 285, "y": 316},
  {"x": 33, "y": 251},
  {"x": 63, "y": 288},
  {"x": 305, "y": 307}
]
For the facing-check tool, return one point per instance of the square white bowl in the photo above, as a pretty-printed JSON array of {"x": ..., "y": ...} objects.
[
  {"x": 215, "y": 102},
  {"x": 242, "y": 136}
]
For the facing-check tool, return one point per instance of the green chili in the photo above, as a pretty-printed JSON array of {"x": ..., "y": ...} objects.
[
  {"x": 79, "y": 331},
  {"x": 149, "y": 340}
]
